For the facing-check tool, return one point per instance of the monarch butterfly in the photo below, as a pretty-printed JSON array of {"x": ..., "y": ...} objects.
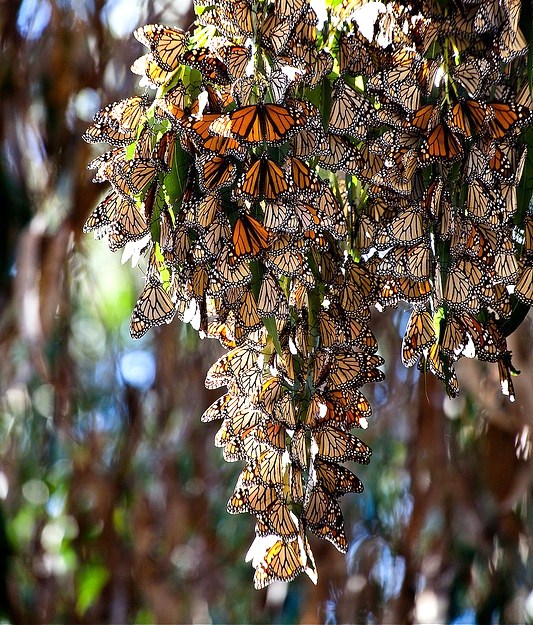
[
  {"x": 325, "y": 411},
  {"x": 441, "y": 144},
  {"x": 119, "y": 219},
  {"x": 305, "y": 180},
  {"x": 524, "y": 286},
  {"x": 166, "y": 44},
  {"x": 258, "y": 497},
  {"x": 351, "y": 112},
  {"x": 338, "y": 446},
  {"x": 528, "y": 233},
  {"x": 505, "y": 263},
  {"x": 408, "y": 227},
  {"x": 354, "y": 370},
  {"x": 452, "y": 338},
  {"x": 500, "y": 164},
  {"x": 259, "y": 123},
  {"x": 298, "y": 448},
  {"x": 407, "y": 94},
  {"x": 414, "y": 291},
  {"x": 176, "y": 103},
  {"x": 241, "y": 417},
  {"x": 282, "y": 561},
  {"x": 211, "y": 68},
  {"x": 336, "y": 479},
  {"x": 181, "y": 243},
  {"x": 219, "y": 408},
  {"x": 285, "y": 412},
  {"x": 309, "y": 142},
  {"x": 206, "y": 209},
  {"x": 324, "y": 518},
  {"x": 232, "y": 364},
  {"x": 357, "y": 289},
  {"x": 236, "y": 59},
  {"x": 512, "y": 43},
  {"x": 276, "y": 31},
  {"x": 474, "y": 73},
  {"x": 279, "y": 82},
  {"x": 246, "y": 317},
  {"x": 221, "y": 331},
  {"x": 486, "y": 19},
  {"x": 426, "y": 118},
  {"x": 271, "y": 465},
  {"x": 484, "y": 204},
  {"x": 339, "y": 151},
  {"x": 104, "y": 215},
  {"x": 367, "y": 162},
  {"x": 419, "y": 336},
  {"x": 199, "y": 131},
  {"x": 128, "y": 177},
  {"x": 238, "y": 14},
  {"x": 215, "y": 172},
  {"x": 128, "y": 113},
  {"x": 276, "y": 214},
  {"x": 417, "y": 259},
  {"x": 273, "y": 433},
  {"x": 153, "y": 75},
  {"x": 285, "y": 255},
  {"x": 457, "y": 288},
  {"x": 331, "y": 215},
  {"x": 278, "y": 520},
  {"x": 232, "y": 440},
  {"x": 502, "y": 118},
  {"x": 505, "y": 369},
  {"x": 467, "y": 117},
  {"x": 154, "y": 307},
  {"x": 263, "y": 180},
  {"x": 216, "y": 235},
  {"x": 490, "y": 344},
  {"x": 249, "y": 236},
  {"x": 438, "y": 363},
  {"x": 272, "y": 300},
  {"x": 242, "y": 90},
  {"x": 232, "y": 271},
  {"x": 271, "y": 393},
  {"x": 109, "y": 131},
  {"x": 355, "y": 55}
]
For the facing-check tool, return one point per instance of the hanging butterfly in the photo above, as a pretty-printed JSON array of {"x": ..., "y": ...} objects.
[
  {"x": 351, "y": 112},
  {"x": 154, "y": 307},
  {"x": 467, "y": 117},
  {"x": 263, "y": 180},
  {"x": 323, "y": 516},
  {"x": 441, "y": 144},
  {"x": 419, "y": 336},
  {"x": 282, "y": 561},
  {"x": 503, "y": 118},
  {"x": 337, "y": 446},
  {"x": 166, "y": 44},
  {"x": 259, "y": 124},
  {"x": 215, "y": 172},
  {"x": 205, "y": 61},
  {"x": 249, "y": 236}
]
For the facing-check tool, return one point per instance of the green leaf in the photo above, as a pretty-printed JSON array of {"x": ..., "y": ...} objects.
[
  {"x": 270, "y": 325},
  {"x": 91, "y": 580}
]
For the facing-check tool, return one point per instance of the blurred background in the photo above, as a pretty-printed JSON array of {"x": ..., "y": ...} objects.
[{"x": 112, "y": 495}]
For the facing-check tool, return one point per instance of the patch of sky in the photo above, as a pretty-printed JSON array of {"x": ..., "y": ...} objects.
[
  {"x": 137, "y": 368},
  {"x": 33, "y": 18},
  {"x": 122, "y": 17}
]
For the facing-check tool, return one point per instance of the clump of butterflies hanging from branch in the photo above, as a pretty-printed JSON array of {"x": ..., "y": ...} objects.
[{"x": 291, "y": 167}]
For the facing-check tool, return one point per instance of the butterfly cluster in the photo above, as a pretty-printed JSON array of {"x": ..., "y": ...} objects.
[
  {"x": 439, "y": 222},
  {"x": 287, "y": 176}
]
